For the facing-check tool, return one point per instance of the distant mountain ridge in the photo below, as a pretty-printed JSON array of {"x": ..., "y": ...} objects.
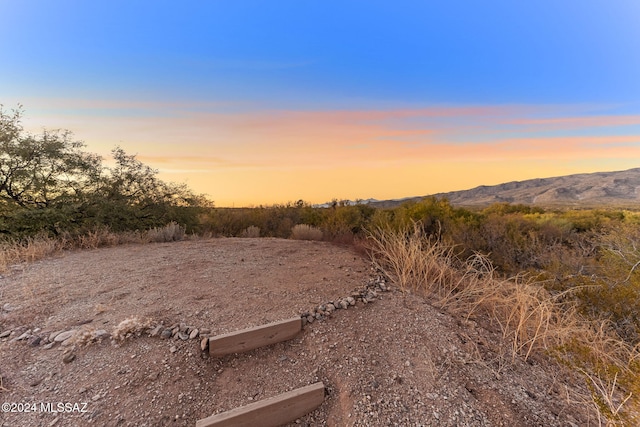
[{"x": 598, "y": 189}]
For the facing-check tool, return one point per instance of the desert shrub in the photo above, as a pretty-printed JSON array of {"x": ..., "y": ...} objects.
[
  {"x": 530, "y": 318},
  {"x": 305, "y": 232},
  {"x": 224, "y": 221},
  {"x": 610, "y": 289},
  {"x": 169, "y": 233},
  {"x": 342, "y": 219},
  {"x": 273, "y": 221},
  {"x": 339, "y": 222},
  {"x": 434, "y": 215},
  {"x": 509, "y": 208},
  {"x": 251, "y": 231}
]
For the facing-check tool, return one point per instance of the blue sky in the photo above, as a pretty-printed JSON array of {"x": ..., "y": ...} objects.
[{"x": 500, "y": 72}]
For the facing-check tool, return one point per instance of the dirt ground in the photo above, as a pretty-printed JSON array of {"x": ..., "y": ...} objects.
[{"x": 393, "y": 361}]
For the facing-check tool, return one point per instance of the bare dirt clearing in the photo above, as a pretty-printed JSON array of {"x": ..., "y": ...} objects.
[{"x": 395, "y": 361}]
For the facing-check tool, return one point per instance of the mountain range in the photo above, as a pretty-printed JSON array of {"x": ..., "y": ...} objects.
[{"x": 599, "y": 189}]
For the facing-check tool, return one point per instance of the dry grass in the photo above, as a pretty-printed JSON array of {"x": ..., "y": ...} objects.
[
  {"x": 34, "y": 248},
  {"x": 171, "y": 232},
  {"x": 530, "y": 318},
  {"x": 27, "y": 250},
  {"x": 306, "y": 232},
  {"x": 605, "y": 398},
  {"x": 251, "y": 232},
  {"x": 129, "y": 327}
]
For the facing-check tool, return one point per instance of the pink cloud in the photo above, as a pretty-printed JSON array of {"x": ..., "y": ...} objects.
[
  {"x": 576, "y": 122},
  {"x": 178, "y": 136}
]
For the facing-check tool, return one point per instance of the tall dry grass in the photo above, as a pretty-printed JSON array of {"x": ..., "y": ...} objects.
[
  {"x": 27, "y": 250},
  {"x": 306, "y": 232},
  {"x": 251, "y": 232},
  {"x": 530, "y": 318},
  {"x": 171, "y": 232},
  {"x": 31, "y": 249}
]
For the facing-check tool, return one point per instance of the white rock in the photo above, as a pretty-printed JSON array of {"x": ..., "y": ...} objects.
[
  {"x": 64, "y": 336},
  {"x": 53, "y": 335},
  {"x": 100, "y": 333},
  {"x": 23, "y": 336}
]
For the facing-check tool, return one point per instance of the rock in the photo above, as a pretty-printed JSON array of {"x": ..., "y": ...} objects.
[
  {"x": 310, "y": 319},
  {"x": 7, "y": 307},
  {"x": 23, "y": 336},
  {"x": 344, "y": 304},
  {"x": 34, "y": 341},
  {"x": 53, "y": 335},
  {"x": 204, "y": 343},
  {"x": 156, "y": 331},
  {"x": 331, "y": 307},
  {"x": 5, "y": 333},
  {"x": 68, "y": 342},
  {"x": 351, "y": 301},
  {"x": 68, "y": 357},
  {"x": 175, "y": 330},
  {"x": 173, "y": 349},
  {"x": 100, "y": 333},
  {"x": 183, "y": 327},
  {"x": 183, "y": 336},
  {"x": 64, "y": 336},
  {"x": 166, "y": 334},
  {"x": 36, "y": 382},
  {"x": 205, "y": 331},
  {"x": 304, "y": 320},
  {"x": 193, "y": 334},
  {"x": 48, "y": 346}
]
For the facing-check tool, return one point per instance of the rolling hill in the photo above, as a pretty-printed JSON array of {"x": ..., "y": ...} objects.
[{"x": 599, "y": 189}]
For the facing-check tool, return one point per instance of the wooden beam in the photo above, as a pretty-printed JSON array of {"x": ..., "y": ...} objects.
[
  {"x": 248, "y": 339},
  {"x": 271, "y": 412}
]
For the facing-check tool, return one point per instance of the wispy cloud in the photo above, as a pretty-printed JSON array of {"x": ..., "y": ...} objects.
[
  {"x": 579, "y": 122},
  {"x": 242, "y": 147}
]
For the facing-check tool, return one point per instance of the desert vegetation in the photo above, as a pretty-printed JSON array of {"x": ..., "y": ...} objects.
[{"x": 563, "y": 283}]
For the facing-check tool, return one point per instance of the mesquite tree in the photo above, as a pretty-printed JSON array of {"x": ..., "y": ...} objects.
[
  {"x": 41, "y": 170},
  {"x": 48, "y": 182}
]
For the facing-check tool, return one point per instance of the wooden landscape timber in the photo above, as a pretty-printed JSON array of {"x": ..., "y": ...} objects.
[
  {"x": 252, "y": 338},
  {"x": 271, "y": 412}
]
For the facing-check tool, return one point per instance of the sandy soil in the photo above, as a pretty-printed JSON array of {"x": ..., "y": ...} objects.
[{"x": 394, "y": 361}]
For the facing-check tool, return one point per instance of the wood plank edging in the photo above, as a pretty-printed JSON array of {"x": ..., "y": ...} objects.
[
  {"x": 271, "y": 412},
  {"x": 252, "y": 338}
]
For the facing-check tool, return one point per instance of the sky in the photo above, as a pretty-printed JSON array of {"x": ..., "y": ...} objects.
[{"x": 263, "y": 102}]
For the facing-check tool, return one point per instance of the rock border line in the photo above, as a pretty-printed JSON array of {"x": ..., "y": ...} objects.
[{"x": 70, "y": 338}]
